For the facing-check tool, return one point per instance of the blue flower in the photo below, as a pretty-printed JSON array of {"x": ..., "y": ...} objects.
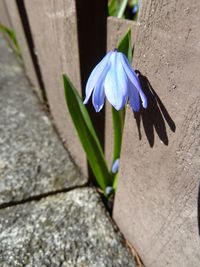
[
  {"x": 115, "y": 79},
  {"x": 135, "y": 9},
  {"x": 115, "y": 166},
  {"x": 108, "y": 190}
]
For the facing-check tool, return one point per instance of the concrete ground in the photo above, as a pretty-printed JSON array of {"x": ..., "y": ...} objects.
[{"x": 48, "y": 216}]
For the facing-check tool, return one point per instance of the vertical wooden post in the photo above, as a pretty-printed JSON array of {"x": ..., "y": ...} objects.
[
  {"x": 156, "y": 201},
  {"x": 4, "y": 16},
  {"x": 54, "y": 29}
]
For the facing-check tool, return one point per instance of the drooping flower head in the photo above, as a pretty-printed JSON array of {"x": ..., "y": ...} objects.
[
  {"x": 115, "y": 79},
  {"x": 135, "y": 9},
  {"x": 115, "y": 166}
]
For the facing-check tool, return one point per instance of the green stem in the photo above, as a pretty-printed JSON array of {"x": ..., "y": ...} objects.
[{"x": 118, "y": 126}]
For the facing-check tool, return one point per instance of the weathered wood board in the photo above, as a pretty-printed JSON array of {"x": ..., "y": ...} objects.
[
  {"x": 16, "y": 25},
  {"x": 4, "y": 17},
  {"x": 156, "y": 200},
  {"x": 54, "y": 29}
]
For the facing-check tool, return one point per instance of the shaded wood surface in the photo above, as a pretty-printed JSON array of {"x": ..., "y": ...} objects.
[
  {"x": 156, "y": 201},
  {"x": 54, "y": 29}
]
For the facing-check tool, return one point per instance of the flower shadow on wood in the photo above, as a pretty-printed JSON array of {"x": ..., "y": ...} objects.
[{"x": 154, "y": 116}]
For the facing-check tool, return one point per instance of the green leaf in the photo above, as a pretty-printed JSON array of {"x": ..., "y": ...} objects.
[
  {"x": 125, "y": 46},
  {"x": 112, "y": 7},
  {"x": 87, "y": 134},
  {"x": 12, "y": 37},
  {"x": 116, "y": 8},
  {"x": 121, "y": 9}
]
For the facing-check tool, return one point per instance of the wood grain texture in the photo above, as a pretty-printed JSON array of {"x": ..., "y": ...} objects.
[
  {"x": 156, "y": 201},
  {"x": 4, "y": 17},
  {"x": 17, "y": 26},
  {"x": 54, "y": 29}
]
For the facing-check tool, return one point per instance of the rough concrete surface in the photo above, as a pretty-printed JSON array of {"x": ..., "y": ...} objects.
[
  {"x": 32, "y": 158},
  {"x": 68, "y": 229}
]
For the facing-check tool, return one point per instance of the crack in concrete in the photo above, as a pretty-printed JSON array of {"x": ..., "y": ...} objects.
[{"x": 40, "y": 196}]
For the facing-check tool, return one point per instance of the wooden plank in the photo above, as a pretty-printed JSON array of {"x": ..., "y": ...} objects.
[
  {"x": 156, "y": 201},
  {"x": 54, "y": 29},
  {"x": 17, "y": 26},
  {"x": 4, "y": 17}
]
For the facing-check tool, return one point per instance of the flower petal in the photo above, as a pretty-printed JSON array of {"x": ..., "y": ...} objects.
[
  {"x": 116, "y": 83},
  {"x": 98, "y": 97},
  {"x": 108, "y": 190},
  {"x": 133, "y": 78},
  {"x": 94, "y": 76},
  {"x": 134, "y": 98},
  {"x": 115, "y": 166}
]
